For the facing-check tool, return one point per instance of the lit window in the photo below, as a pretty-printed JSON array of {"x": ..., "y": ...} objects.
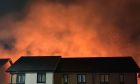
[
  {"x": 121, "y": 78},
  {"x": 104, "y": 78},
  {"x": 65, "y": 78},
  {"x": 81, "y": 78},
  {"x": 20, "y": 78},
  {"x": 41, "y": 77}
]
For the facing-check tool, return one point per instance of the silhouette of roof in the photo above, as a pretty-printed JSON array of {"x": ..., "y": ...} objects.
[
  {"x": 90, "y": 64},
  {"x": 3, "y": 61},
  {"x": 97, "y": 64},
  {"x": 36, "y": 63}
]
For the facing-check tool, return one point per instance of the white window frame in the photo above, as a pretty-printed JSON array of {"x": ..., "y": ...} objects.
[
  {"x": 41, "y": 77},
  {"x": 81, "y": 78},
  {"x": 104, "y": 78},
  {"x": 20, "y": 78},
  {"x": 65, "y": 78}
]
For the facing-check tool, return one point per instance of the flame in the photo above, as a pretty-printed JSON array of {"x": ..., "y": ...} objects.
[{"x": 74, "y": 28}]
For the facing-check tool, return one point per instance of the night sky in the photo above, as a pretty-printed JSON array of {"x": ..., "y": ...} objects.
[{"x": 70, "y": 28}]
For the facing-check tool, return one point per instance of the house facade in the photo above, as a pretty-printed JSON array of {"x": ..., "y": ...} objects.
[
  {"x": 95, "y": 78},
  {"x": 4, "y": 65},
  {"x": 57, "y": 70},
  {"x": 32, "y": 78}
]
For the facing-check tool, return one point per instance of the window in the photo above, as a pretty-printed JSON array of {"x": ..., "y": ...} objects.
[
  {"x": 13, "y": 77},
  {"x": 104, "y": 78},
  {"x": 81, "y": 78},
  {"x": 65, "y": 78},
  {"x": 20, "y": 79},
  {"x": 41, "y": 77},
  {"x": 121, "y": 78}
]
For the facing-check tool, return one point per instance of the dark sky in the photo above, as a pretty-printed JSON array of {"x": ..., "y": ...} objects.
[{"x": 7, "y": 6}]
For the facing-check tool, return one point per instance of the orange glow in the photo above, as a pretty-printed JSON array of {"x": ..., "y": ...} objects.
[
  {"x": 79, "y": 29},
  {"x": 84, "y": 28},
  {"x": 4, "y": 77}
]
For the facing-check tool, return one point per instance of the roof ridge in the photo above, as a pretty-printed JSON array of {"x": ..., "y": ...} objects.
[
  {"x": 94, "y": 57},
  {"x": 37, "y": 56}
]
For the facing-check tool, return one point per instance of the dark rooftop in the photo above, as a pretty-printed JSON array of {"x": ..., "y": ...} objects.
[
  {"x": 90, "y": 64},
  {"x": 36, "y": 63},
  {"x": 98, "y": 64},
  {"x": 3, "y": 61}
]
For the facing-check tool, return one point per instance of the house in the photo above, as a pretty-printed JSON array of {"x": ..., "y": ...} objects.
[
  {"x": 99, "y": 70},
  {"x": 89, "y": 70},
  {"x": 34, "y": 70},
  {"x": 4, "y": 65}
]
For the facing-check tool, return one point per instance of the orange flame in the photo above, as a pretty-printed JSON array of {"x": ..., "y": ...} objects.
[
  {"x": 73, "y": 28},
  {"x": 82, "y": 28}
]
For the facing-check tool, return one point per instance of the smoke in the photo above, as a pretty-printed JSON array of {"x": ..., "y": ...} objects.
[{"x": 70, "y": 28}]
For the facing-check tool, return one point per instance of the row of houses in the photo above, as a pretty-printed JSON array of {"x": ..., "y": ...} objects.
[{"x": 58, "y": 70}]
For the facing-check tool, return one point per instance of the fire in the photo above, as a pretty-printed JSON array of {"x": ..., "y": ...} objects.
[{"x": 73, "y": 28}]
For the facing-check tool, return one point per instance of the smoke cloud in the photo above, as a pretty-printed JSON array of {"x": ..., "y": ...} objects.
[{"x": 70, "y": 28}]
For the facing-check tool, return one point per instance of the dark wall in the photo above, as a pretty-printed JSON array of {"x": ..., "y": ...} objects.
[{"x": 94, "y": 78}]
